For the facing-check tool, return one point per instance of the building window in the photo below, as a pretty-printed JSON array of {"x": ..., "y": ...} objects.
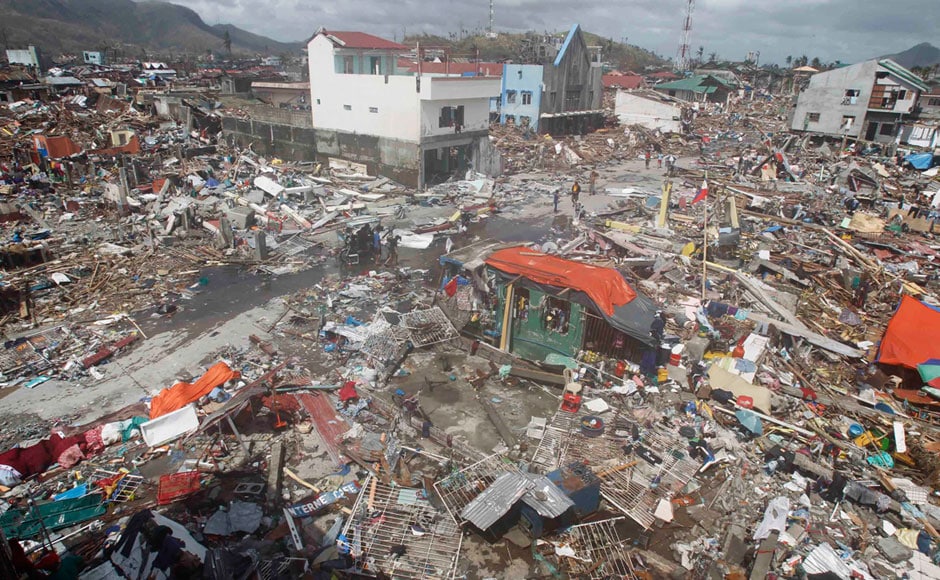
[
  {"x": 886, "y": 129},
  {"x": 375, "y": 65},
  {"x": 556, "y": 315},
  {"x": 812, "y": 117},
  {"x": 933, "y": 102},
  {"x": 902, "y": 94},
  {"x": 847, "y": 122},
  {"x": 850, "y": 97},
  {"x": 510, "y": 96},
  {"x": 510, "y": 119},
  {"x": 526, "y": 97},
  {"x": 373, "y": 109},
  {"x": 318, "y": 101},
  {"x": 451, "y": 117},
  {"x": 348, "y": 65},
  {"x": 347, "y": 107}
]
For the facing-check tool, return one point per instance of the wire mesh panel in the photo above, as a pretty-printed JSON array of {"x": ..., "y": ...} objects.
[
  {"x": 396, "y": 532},
  {"x": 594, "y": 551}
]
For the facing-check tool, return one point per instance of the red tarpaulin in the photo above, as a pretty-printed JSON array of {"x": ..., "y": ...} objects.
[
  {"x": 182, "y": 394},
  {"x": 912, "y": 335},
  {"x": 605, "y": 286}
]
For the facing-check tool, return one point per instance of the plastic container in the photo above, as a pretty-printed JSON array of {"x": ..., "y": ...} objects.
[
  {"x": 675, "y": 355},
  {"x": 619, "y": 369},
  {"x": 177, "y": 485},
  {"x": 592, "y": 426},
  {"x": 662, "y": 375}
]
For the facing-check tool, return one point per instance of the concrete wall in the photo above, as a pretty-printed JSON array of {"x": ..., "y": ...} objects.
[
  {"x": 271, "y": 139},
  {"x": 269, "y": 114},
  {"x": 825, "y": 95},
  {"x": 380, "y": 105},
  {"x": 520, "y": 78},
  {"x": 635, "y": 110},
  {"x": 391, "y": 158}
]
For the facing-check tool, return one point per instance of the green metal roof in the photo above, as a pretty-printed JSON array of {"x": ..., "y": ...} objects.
[
  {"x": 903, "y": 73},
  {"x": 694, "y": 84}
]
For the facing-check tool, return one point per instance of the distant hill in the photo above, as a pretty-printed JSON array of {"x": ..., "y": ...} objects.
[
  {"x": 57, "y": 26},
  {"x": 922, "y": 55},
  {"x": 518, "y": 48}
]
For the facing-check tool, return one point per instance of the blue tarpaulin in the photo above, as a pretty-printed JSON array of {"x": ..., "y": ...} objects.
[{"x": 920, "y": 160}]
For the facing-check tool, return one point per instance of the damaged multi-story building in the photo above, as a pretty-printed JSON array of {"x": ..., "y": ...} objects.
[{"x": 413, "y": 128}]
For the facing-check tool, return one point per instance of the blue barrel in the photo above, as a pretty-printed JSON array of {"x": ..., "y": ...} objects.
[{"x": 592, "y": 426}]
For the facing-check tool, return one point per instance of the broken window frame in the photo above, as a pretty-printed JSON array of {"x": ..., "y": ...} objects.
[
  {"x": 451, "y": 116},
  {"x": 511, "y": 97},
  {"x": 552, "y": 303},
  {"x": 850, "y": 96}
]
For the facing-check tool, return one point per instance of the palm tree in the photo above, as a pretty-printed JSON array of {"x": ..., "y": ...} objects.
[
  {"x": 699, "y": 53},
  {"x": 788, "y": 60},
  {"x": 816, "y": 62},
  {"x": 227, "y": 42},
  {"x": 713, "y": 57}
]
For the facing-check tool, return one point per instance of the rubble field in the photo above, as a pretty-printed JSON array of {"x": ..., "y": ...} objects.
[{"x": 718, "y": 361}]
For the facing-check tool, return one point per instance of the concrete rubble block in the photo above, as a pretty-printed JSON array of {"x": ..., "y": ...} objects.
[
  {"x": 893, "y": 550},
  {"x": 240, "y": 217}
]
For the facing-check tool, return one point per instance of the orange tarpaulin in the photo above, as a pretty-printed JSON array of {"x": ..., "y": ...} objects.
[
  {"x": 182, "y": 394},
  {"x": 912, "y": 336},
  {"x": 605, "y": 286}
]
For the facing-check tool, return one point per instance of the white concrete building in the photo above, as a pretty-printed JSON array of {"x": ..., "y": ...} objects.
[
  {"x": 870, "y": 100},
  {"x": 412, "y": 128},
  {"x": 650, "y": 109}
]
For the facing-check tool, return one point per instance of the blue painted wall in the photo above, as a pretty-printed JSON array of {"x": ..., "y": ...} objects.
[{"x": 521, "y": 78}]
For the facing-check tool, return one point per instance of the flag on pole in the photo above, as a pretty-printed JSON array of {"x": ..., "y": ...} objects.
[{"x": 702, "y": 193}]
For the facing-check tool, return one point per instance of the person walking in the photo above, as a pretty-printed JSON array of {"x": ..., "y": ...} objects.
[
  {"x": 592, "y": 184},
  {"x": 647, "y": 157},
  {"x": 659, "y": 160},
  {"x": 393, "y": 249},
  {"x": 575, "y": 192},
  {"x": 555, "y": 196}
]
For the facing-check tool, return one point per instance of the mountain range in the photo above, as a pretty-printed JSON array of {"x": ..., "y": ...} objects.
[
  {"x": 58, "y": 26},
  {"x": 921, "y": 55}
]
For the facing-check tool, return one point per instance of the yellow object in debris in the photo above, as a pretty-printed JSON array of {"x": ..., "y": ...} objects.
[
  {"x": 454, "y": 217},
  {"x": 662, "y": 375},
  {"x": 622, "y": 226},
  {"x": 688, "y": 249}
]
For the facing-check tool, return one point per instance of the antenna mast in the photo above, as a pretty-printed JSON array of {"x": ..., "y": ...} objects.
[{"x": 684, "y": 54}]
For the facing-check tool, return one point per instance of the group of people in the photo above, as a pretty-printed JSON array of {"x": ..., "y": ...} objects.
[
  {"x": 669, "y": 160},
  {"x": 368, "y": 240},
  {"x": 576, "y": 193}
]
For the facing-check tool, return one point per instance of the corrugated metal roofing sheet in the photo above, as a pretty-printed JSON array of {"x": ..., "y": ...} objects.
[
  {"x": 546, "y": 498},
  {"x": 536, "y": 491},
  {"x": 497, "y": 499}
]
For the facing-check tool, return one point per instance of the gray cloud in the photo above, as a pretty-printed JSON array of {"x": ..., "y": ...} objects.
[{"x": 846, "y": 30}]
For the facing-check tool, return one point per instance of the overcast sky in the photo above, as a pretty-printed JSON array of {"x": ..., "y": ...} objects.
[{"x": 846, "y": 30}]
